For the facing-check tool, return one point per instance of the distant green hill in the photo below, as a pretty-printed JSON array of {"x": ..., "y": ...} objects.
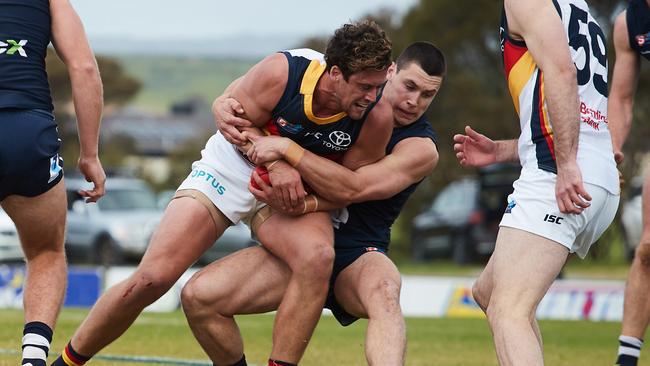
[{"x": 166, "y": 79}]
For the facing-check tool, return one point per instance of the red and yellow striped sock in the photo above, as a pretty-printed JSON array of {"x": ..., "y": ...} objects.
[{"x": 69, "y": 357}]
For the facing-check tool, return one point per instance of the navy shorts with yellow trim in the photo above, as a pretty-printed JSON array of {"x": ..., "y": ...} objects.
[
  {"x": 342, "y": 259},
  {"x": 29, "y": 152}
]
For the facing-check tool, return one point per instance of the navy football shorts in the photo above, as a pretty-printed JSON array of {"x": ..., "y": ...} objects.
[
  {"x": 342, "y": 259},
  {"x": 29, "y": 152}
]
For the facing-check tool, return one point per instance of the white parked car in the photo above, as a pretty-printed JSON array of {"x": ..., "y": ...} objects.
[
  {"x": 115, "y": 228},
  {"x": 10, "y": 250}
]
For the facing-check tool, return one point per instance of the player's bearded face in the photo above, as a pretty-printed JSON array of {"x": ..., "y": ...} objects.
[{"x": 360, "y": 90}]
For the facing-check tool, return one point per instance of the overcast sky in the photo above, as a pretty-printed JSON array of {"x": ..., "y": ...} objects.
[{"x": 192, "y": 19}]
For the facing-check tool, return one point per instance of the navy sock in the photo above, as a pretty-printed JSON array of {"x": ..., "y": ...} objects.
[
  {"x": 280, "y": 363},
  {"x": 241, "y": 362},
  {"x": 36, "y": 343}
]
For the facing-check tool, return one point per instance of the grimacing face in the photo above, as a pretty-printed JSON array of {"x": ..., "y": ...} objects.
[
  {"x": 361, "y": 88},
  {"x": 410, "y": 91}
]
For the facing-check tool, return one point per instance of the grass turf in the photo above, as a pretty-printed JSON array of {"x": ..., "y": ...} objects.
[{"x": 443, "y": 342}]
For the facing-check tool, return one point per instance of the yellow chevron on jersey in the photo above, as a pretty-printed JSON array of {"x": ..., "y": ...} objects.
[
  {"x": 307, "y": 87},
  {"x": 519, "y": 75}
]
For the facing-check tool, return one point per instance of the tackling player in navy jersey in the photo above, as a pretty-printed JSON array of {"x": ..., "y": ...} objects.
[
  {"x": 631, "y": 42},
  {"x": 365, "y": 283}
]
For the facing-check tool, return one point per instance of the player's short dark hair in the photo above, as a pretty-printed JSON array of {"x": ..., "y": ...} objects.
[
  {"x": 426, "y": 55},
  {"x": 357, "y": 47}
]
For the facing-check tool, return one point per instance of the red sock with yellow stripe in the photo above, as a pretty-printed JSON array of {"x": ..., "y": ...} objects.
[{"x": 69, "y": 357}]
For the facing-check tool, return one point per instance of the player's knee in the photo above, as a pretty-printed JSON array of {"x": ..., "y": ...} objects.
[
  {"x": 316, "y": 262},
  {"x": 49, "y": 247},
  {"x": 200, "y": 300},
  {"x": 642, "y": 253},
  {"x": 386, "y": 293},
  {"x": 52, "y": 255},
  {"x": 192, "y": 300},
  {"x": 149, "y": 283},
  {"x": 480, "y": 296},
  {"x": 499, "y": 312}
]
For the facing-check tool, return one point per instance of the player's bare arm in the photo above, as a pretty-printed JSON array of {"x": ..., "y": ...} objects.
[
  {"x": 227, "y": 112},
  {"x": 411, "y": 160},
  {"x": 264, "y": 192},
  {"x": 260, "y": 89},
  {"x": 537, "y": 22},
  {"x": 252, "y": 97},
  {"x": 71, "y": 45},
  {"x": 477, "y": 150},
  {"x": 624, "y": 83}
]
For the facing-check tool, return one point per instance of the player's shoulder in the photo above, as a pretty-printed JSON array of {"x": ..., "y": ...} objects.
[
  {"x": 306, "y": 53},
  {"x": 419, "y": 133},
  {"x": 273, "y": 68}
]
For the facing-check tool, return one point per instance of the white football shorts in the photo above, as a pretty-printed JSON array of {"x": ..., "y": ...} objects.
[
  {"x": 223, "y": 175},
  {"x": 532, "y": 207}
]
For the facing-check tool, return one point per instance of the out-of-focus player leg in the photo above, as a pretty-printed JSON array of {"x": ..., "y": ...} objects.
[
  {"x": 249, "y": 281},
  {"x": 46, "y": 266},
  {"x": 370, "y": 288},
  {"x": 524, "y": 267},
  {"x": 305, "y": 243},
  {"x": 482, "y": 291},
  {"x": 636, "y": 311}
]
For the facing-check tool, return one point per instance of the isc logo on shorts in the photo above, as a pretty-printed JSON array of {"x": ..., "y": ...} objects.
[
  {"x": 553, "y": 219},
  {"x": 202, "y": 174}
]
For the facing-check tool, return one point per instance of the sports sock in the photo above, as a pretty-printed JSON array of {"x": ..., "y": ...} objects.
[
  {"x": 629, "y": 349},
  {"x": 241, "y": 362},
  {"x": 69, "y": 357},
  {"x": 36, "y": 343},
  {"x": 280, "y": 363}
]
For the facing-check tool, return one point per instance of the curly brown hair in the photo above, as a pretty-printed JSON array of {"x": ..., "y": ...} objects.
[{"x": 357, "y": 47}]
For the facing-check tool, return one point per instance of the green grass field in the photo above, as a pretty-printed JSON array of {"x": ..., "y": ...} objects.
[{"x": 465, "y": 342}]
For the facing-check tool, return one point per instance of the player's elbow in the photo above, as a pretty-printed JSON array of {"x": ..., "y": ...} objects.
[
  {"x": 354, "y": 192},
  {"x": 83, "y": 67},
  {"x": 435, "y": 157},
  {"x": 567, "y": 73},
  {"x": 86, "y": 72},
  {"x": 342, "y": 198}
]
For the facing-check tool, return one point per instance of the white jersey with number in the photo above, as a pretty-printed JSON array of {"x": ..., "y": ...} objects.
[{"x": 586, "y": 42}]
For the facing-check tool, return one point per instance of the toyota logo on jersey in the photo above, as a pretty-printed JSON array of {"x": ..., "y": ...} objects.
[{"x": 340, "y": 138}]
